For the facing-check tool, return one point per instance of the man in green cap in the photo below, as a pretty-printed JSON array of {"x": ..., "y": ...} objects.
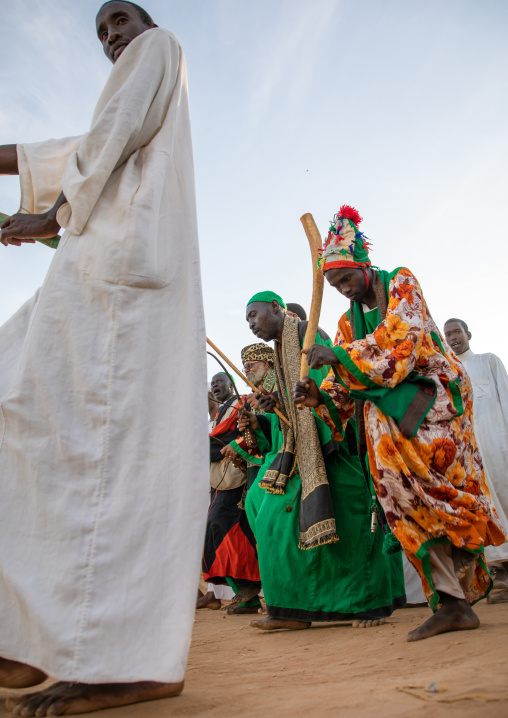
[
  {"x": 310, "y": 507},
  {"x": 257, "y": 360},
  {"x": 229, "y": 555}
]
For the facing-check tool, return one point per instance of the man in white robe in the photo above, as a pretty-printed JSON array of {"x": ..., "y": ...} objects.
[
  {"x": 103, "y": 450},
  {"x": 490, "y": 406}
]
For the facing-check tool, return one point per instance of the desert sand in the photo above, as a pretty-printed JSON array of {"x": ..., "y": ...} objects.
[{"x": 335, "y": 670}]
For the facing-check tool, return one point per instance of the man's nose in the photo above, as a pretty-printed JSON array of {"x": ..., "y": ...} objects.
[{"x": 113, "y": 35}]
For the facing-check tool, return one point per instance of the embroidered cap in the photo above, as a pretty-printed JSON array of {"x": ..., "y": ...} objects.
[
  {"x": 257, "y": 352},
  {"x": 345, "y": 245}
]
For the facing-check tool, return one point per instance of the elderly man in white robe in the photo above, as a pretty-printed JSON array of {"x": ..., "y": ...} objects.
[
  {"x": 103, "y": 492},
  {"x": 490, "y": 407}
]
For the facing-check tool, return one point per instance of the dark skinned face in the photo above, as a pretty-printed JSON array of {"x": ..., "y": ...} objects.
[
  {"x": 350, "y": 282},
  {"x": 457, "y": 337},
  {"x": 117, "y": 25},
  {"x": 222, "y": 388},
  {"x": 266, "y": 320}
]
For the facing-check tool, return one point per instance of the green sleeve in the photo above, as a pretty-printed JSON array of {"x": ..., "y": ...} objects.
[{"x": 245, "y": 454}]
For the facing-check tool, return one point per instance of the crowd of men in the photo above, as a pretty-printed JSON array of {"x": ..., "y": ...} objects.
[
  {"x": 383, "y": 459},
  {"x": 317, "y": 484}
]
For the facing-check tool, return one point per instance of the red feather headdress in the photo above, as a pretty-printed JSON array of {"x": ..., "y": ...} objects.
[{"x": 350, "y": 213}]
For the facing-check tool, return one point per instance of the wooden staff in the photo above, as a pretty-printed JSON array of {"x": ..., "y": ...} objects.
[
  {"x": 237, "y": 371},
  {"x": 318, "y": 282}
]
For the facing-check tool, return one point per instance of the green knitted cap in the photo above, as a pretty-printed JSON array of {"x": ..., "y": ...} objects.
[
  {"x": 267, "y": 297},
  {"x": 229, "y": 375}
]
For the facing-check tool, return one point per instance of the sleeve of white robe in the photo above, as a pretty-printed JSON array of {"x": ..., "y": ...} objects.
[
  {"x": 129, "y": 113},
  {"x": 501, "y": 380},
  {"x": 41, "y": 166}
]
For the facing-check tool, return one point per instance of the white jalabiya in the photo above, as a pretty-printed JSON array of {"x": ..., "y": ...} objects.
[
  {"x": 490, "y": 410},
  {"x": 104, "y": 451}
]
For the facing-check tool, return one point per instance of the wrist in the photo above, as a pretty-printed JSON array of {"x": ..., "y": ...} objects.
[{"x": 51, "y": 222}]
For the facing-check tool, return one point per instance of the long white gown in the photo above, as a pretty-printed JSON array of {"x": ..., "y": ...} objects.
[
  {"x": 490, "y": 408},
  {"x": 103, "y": 431}
]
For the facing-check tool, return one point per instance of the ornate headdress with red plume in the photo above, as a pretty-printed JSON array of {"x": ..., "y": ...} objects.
[{"x": 345, "y": 245}]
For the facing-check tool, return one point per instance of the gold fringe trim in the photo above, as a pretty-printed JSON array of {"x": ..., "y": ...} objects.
[
  {"x": 272, "y": 488},
  {"x": 325, "y": 528},
  {"x": 265, "y": 484},
  {"x": 319, "y": 542},
  {"x": 275, "y": 490}
]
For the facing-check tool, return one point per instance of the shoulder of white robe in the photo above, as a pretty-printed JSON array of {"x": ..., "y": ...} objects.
[
  {"x": 152, "y": 37},
  {"x": 496, "y": 364}
]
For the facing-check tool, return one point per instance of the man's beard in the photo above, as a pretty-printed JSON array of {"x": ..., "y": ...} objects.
[{"x": 258, "y": 376}]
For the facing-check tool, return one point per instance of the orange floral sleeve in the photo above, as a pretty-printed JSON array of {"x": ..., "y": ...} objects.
[{"x": 396, "y": 346}]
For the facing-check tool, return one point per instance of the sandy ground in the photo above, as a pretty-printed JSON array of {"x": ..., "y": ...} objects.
[{"x": 335, "y": 670}]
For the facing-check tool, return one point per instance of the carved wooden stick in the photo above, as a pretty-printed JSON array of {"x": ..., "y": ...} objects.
[
  {"x": 242, "y": 376},
  {"x": 318, "y": 281}
]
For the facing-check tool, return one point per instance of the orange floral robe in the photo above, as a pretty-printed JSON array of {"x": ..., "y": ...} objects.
[{"x": 431, "y": 485}]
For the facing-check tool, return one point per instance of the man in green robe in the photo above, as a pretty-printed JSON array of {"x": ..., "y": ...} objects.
[{"x": 311, "y": 507}]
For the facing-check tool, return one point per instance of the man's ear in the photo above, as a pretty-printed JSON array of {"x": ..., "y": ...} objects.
[{"x": 469, "y": 335}]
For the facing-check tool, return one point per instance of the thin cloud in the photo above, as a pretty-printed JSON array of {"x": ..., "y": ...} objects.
[{"x": 289, "y": 55}]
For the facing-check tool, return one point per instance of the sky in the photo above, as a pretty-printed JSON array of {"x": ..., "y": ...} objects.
[{"x": 397, "y": 107}]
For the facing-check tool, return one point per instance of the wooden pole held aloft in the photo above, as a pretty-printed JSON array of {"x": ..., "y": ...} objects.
[{"x": 318, "y": 281}]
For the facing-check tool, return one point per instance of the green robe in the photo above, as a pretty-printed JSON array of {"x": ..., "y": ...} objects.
[{"x": 341, "y": 581}]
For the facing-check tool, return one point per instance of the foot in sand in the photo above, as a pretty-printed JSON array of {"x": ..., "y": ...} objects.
[
  {"x": 500, "y": 577},
  {"x": 68, "y": 698},
  {"x": 246, "y": 593},
  {"x": 19, "y": 675},
  {"x": 209, "y": 601},
  {"x": 455, "y": 614},
  {"x": 369, "y": 624},
  {"x": 498, "y": 596},
  {"x": 233, "y": 610},
  {"x": 274, "y": 624}
]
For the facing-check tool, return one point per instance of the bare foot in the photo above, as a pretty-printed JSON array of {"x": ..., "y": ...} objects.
[
  {"x": 209, "y": 601},
  {"x": 498, "y": 596},
  {"x": 369, "y": 624},
  {"x": 231, "y": 610},
  {"x": 19, "y": 675},
  {"x": 273, "y": 624},
  {"x": 500, "y": 577},
  {"x": 68, "y": 698},
  {"x": 245, "y": 594},
  {"x": 455, "y": 614}
]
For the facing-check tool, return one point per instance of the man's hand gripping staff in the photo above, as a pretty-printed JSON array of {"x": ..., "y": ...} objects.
[{"x": 306, "y": 391}]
